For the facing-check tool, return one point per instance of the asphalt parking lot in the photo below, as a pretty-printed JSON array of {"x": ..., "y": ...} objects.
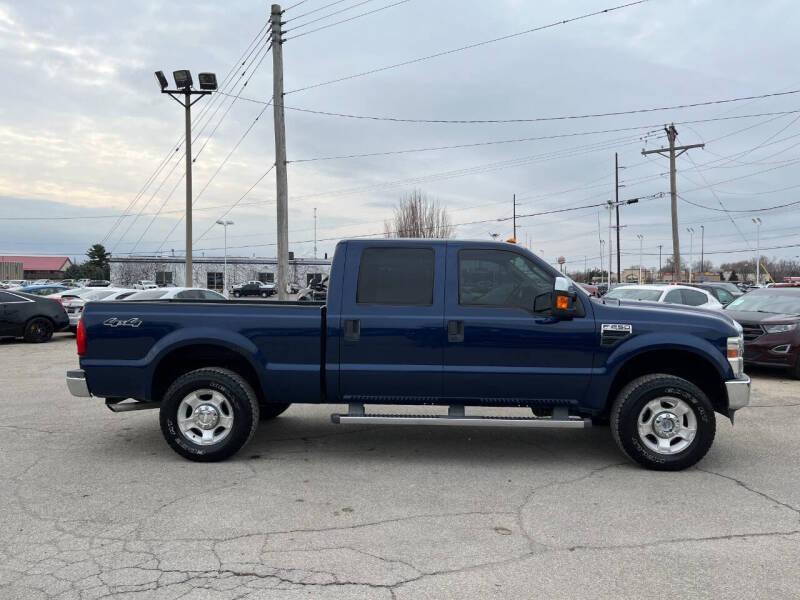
[{"x": 95, "y": 505}]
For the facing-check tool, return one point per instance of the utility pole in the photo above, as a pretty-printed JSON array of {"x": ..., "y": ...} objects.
[
  {"x": 641, "y": 239},
  {"x": 616, "y": 200},
  {"x": 315, "y": 233},
  {"x": 610, "y": 245},
  {"x": 702, "y": 248},
  {"x": 673, "y": 152},
  {"x": 225, "y": 224},
  {"x": 281, "y": 183},
  {"x": 514, "y": 200},
  {"x": 757, "y": 222},
  {"x": 659, "y": 260}
]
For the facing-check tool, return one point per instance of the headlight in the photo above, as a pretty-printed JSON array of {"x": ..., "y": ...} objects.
[
  {"x": 736, "y": 355},
  {"x": 779, "y": 328}
]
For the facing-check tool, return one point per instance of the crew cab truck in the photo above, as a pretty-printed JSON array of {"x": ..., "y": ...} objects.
[{"x": 422, "y": 322}]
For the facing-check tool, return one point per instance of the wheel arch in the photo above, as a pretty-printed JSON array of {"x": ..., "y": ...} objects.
[
  {"x": 680, "y": 362},
  {"x": 182, "y": 359}
]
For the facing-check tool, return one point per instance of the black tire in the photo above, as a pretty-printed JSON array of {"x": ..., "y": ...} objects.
[
  {"x": 38, "y": 330},
  {"x": 238, "y": 394},
  {"x": 270, "y": 410},
  {"x": 236, "y": 294},
  {"x": 632, "y": 400},
  {"x": 795, "y": 370},
  {"x": 264, "y": 294}
]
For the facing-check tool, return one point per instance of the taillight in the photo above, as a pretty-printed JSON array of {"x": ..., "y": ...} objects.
[{"x": 80, "y": 338}]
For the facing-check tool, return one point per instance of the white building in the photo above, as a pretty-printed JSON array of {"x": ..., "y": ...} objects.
[{"x": 208, "y": 272}]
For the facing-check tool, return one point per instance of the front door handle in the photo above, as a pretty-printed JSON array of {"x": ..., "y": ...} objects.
[
  {"x": 352, "y": 330},
  {"x": 455, "y": 331}
]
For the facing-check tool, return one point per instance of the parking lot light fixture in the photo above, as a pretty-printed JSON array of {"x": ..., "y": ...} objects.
[
  {"x": 182, "y": 94},
  {"x": 225, "y": 224}
]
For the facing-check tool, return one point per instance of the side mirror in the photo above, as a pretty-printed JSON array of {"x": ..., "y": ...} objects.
[{"x": 563, "y": 300}]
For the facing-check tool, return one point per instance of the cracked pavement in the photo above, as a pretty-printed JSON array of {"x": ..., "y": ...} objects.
[{"x": 95, "y": 505}]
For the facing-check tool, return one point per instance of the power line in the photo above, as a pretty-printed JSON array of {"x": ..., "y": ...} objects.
[
  {"x": 235, "y": 204},
  {"x": 556, "y": 118},
  {"x": 322, "y": 18},
  {"x": 371, "y": 12},
  {"x": 457, "y": 146},
  {"x": 310, "y": 12},
  {"x": 296, "y": 4},
  {"x": 469, "y": 46},
  {"x": 749, "y": 210}
]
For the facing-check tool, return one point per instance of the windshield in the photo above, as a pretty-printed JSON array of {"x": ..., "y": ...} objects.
[
  {"x": 98, "y": 294},
  {"x": 148, "y": 295},
  {"x": 769, "y": 302},
  {"x": 634, "y": 294}
]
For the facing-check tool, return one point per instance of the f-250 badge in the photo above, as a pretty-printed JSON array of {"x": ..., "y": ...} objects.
[{"x": 115, "y": 322}]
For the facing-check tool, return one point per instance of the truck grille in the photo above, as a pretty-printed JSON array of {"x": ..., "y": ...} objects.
[{"x": 751, "y": 332}]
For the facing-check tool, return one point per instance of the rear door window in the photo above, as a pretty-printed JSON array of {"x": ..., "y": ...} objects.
[
  {"x": 674, "y": 297},
  {"x": 694, "y": 298},
  {"x": 396, "y": 276}
]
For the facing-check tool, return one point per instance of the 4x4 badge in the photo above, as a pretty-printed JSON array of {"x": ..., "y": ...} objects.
[{"x": 115, "y": 322}]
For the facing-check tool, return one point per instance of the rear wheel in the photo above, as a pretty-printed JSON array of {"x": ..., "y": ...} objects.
[
  {"x": 38, "y": 330},
  {"x": 209, "y": 414},
  {"x": 264, "y": 294},
  {"x": 663, "y": 422},
  {"x": 236, "y": 294}
]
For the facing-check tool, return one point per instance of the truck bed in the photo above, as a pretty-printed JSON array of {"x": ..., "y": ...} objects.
[{"x": 281, "y": 340}]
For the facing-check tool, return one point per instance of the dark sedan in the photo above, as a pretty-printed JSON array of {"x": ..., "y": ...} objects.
[
  {"x": 770, "y": 318},
  {"x": 723, "y": 291},
  {"x": 30, "y": 317}
]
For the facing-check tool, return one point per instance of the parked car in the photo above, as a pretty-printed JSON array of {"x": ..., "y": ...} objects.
[
  {"x": 723, "y": 291},
  {"x": 176, "y": 293},
  {"x": 42, "y": 282},
  {"x": 254, "y": 288},
  {"x": 145, "y": 284},
  {"x": 667, "y": 294},
  {"x": 68, "y": 282},
  {"x": 15, "y": 284},
  {"x": 770, "y": 318},
  {"x": 83, "y": 282},
  {"x": 591, "y": 289},
  {"x": 44, "y": 290},
  {"x": 74, "y": 301},
  {"x": 98, "y": 283},
  {"x": 30, "y": 317},
  {"x": 402, "y": 327}
]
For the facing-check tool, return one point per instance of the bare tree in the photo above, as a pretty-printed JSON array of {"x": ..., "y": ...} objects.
[{"x": 417, "y": 216}]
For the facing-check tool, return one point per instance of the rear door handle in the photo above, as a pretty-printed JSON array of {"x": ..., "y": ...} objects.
[
  {"x": 352, "y": 330},
  {"x": 455, "y": 331}
]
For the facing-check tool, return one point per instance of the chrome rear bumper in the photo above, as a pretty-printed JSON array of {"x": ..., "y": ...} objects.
[{"x": 76, "y": 383}]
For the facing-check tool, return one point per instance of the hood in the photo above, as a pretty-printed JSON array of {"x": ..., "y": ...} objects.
[
  {"x": 748, "y": 316},
  {"x": 669, "y": 315}
]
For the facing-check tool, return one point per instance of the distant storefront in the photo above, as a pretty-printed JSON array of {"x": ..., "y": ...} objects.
[
  {"x": 209, "y": 272},
  {"x": 39, "y": 267}
]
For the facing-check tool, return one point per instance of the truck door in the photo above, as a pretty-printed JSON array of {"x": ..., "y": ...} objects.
[
  {"x": 392, "y": 327},
  {"x": 498, "y": 349}
]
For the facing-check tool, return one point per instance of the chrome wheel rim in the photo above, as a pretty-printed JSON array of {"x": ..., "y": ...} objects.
[
  {"x": 667, "y": 425},
  {"x": 205, "y": 417}
]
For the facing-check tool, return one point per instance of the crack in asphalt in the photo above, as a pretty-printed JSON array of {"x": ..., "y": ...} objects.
[{"x": 751, "y": 489}]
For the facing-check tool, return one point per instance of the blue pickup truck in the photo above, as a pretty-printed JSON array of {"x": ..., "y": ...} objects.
[{"x": 422, "y": 322}]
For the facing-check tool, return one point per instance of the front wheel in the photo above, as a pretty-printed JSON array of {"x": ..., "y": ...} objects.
[
  {"x": 663, "y": 422},
  {"x": 38, "y": 330},
  {"x": 209, "y": 414}
]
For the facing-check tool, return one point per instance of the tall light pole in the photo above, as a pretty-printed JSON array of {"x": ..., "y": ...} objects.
[
  {"x": 641, "y": 239},
  {"x": 691, "y": 242},
  {"x": 757, "y": 222},
  {"x": 315, "y": 233},
  {"x": 225, "y": 267},
  {"x": 183, "y": 87},
  {"x": 702, "y": 248}
]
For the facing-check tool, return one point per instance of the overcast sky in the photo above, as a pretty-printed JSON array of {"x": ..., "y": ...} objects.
[{"x": 83, "y": 126}]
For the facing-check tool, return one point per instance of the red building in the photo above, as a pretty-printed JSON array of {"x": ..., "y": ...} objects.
[{"x": 41, "y": 267}]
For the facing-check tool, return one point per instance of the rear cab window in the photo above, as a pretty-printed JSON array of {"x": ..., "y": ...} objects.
[{"x": 396, "y": 276}]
